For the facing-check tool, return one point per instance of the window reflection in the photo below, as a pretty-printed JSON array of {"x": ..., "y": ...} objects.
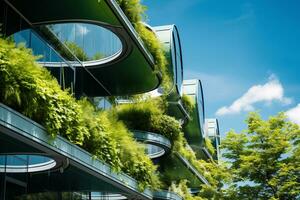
[{"x": 87, "y": 41}]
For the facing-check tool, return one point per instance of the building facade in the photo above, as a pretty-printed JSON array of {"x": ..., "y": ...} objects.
[{"x": 92, "y": 49}]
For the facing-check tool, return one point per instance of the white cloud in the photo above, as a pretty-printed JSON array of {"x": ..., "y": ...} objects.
[
  {"x": 294, "y": 114},
  {"x": 81, "y": 29},
  {"x": 267, "y": 93}
]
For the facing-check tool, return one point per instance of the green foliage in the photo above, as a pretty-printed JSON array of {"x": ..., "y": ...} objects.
[
  {"x": 135, "y": 12},
  {"x": 187, "y": 103},
  {"x": 99, "y": 141},
  {"x": 182, "y": 189},
  {"x": 30, "y": 89},
  {"x": 97, "y": 56},
  {"x": 80, "y": 53},
  {"x": 133, "y": 9},
  {"x": 209, "y": 146},
  {"x": 77, "y": 51},
  {"x": 216, "y": 174},
  {"x": 132, "y": 156},
  {"x": 157, "y": 51},
  {"x": 149, "y": 116},
  {"x": 266, "y": 156}
]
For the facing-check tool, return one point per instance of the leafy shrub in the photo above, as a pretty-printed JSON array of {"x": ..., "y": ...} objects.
[
  {"x": 214, "y": 173},
  {"x": 132, "y": 156},
  {"x": 99, "y": 142},
  {"x": 166, "y": 125},
  {"x": 149, "y": 116},
  {"x": 209, "y": 146},
  {"x": 187, "y": 103},
  {"x": 182, "y": 189},
  {"x": 133, "y": 9},
  {"x": 30, "y": 89}
]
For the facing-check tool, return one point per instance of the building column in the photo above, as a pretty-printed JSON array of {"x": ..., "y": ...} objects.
[{"x": 2, "y": 186}]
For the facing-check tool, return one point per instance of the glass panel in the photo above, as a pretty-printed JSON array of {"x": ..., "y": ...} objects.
[
  {"x": 39, "y": 48},
  {"x": 154, "y": 151},
  {"x": 34, "y": 159},
  {"x": 16, "y": 160},
  {"x": 87, "y": 41},
  {"x": 101, "y": 102},
  {"x": 22, "y": 37},
  {"x": 48, "y": 57},
  {"x": 211, "y": 132},
  {"x": 25, "y": 163}
]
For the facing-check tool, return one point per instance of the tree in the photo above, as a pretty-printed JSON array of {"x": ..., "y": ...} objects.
[
  {"x": 77, "y": 50},
  {"x": 265, "y": 159}
]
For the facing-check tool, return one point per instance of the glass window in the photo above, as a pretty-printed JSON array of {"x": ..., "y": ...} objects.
[{"x": 87, "y": 41}]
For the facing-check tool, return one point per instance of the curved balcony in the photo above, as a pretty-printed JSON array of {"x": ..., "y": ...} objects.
[
  {"x": 212, "y": 132},
  {"x": 164, "y": 195},
  {"x": 175, "y": 167},
  {"x": 76, "y": 169},
  {"x": 128, "y": 71},
  {"x": 156, "y": 145},
  {"x": 169, "y": 37},
  {"x": 194, "y": 129}
]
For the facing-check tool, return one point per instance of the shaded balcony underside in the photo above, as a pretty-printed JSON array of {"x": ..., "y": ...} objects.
[{"x": 131, "y": 73}]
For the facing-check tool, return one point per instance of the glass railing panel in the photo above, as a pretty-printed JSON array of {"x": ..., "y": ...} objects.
[
  {"x": 22, "y": 37},
  {"x": 15, "y": 160}
]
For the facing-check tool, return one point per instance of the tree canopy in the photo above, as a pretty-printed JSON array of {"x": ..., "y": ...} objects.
[{"x": 264, "y": 159}]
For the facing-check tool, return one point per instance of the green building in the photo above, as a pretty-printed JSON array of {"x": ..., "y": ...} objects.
[{"x": 94, "y": 51}]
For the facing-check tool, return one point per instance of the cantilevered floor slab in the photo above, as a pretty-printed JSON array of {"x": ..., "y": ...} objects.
[
  {"x": 131, "y": 72},
  {"x": 75, "y": 169}
]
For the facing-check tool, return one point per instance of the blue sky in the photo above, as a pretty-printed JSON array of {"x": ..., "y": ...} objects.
[{"x": 247, "y": 52}]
